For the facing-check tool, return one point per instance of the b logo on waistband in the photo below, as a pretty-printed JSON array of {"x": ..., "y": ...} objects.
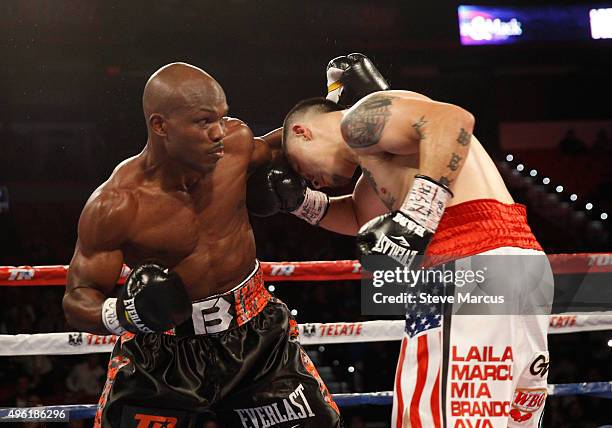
[{"x": 211, "y": 316}]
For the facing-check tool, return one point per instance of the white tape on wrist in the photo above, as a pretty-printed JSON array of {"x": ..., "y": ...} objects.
[
  {"x": 426, "y": 202},
  {"x": 314, "y": 207},
  {"x": 334, "y": 85},
  {"x": 109, "y": 317}
]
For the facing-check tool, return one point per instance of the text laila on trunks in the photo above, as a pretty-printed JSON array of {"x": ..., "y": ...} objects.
[
  {"x": 199, "y": 331},
  {"x": 427, "y": 187}
]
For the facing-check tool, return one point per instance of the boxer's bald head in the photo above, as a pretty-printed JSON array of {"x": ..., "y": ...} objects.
[
  {"x": 176, "y": 86},
  {"x": 185, "y": 110}
]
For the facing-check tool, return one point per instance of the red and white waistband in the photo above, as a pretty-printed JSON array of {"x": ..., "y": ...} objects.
[{"x": 481, "y": 225}]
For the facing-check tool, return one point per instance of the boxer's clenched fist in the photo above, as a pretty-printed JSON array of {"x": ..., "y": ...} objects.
[
  {"x": 405, "y": 233},
  {"x": 352, "y": 77},
  {"x": 153, "y": 299},
  {"x": 279, "y": 188},
  {"x": 394, "y": 235}
]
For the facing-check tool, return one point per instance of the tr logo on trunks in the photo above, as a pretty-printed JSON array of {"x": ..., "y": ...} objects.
[
  {"x": 153, "y": 421},
  {"x": 293, "y": 408},
  {"x": 395, "y": 247},
  {"x": 141, "y": 417},
  {"x": 539, "y": 366}
]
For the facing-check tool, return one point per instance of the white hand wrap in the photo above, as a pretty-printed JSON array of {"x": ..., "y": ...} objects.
[
  {"x": 109, "y": 317},
  {"x": 334, "y": 85},
  {"x": 426, "y": 202},
  {"x": 314, "y": 207}
]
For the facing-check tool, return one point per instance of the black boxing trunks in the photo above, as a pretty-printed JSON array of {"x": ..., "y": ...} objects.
[{"x": 238, "y": 357}]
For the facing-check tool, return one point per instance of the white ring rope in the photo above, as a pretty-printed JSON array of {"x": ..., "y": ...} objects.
[{"x": 310, "y": 334}]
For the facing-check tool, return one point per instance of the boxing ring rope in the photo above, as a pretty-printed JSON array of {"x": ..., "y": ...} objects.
[
  {"x": 72, "y": 343},
  {"x": 336, "y": 270},
  {"x": 384, "y": 398},
  {"x": 76, "y": 343}
]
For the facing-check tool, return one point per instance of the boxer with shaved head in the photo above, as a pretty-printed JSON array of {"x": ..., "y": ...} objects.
[
  {"x": 428, "y": 187},
  {"x": 199, "y": 331}
]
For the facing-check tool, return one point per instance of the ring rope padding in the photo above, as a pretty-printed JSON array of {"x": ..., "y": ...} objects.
[{"x": 76, "y": 343}]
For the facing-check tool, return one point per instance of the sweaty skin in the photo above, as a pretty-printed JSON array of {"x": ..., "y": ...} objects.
[
  {"x": 180, "y": 202},
  {"x": 392, "y": 136}
]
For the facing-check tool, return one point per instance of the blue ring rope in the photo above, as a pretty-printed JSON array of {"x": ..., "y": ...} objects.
[{"x": 385, "y": 398}]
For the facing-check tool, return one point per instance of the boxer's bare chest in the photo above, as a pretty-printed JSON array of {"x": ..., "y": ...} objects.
[
  {"x": 190, "y": 231},
  {"x": 390, "y": 176}
]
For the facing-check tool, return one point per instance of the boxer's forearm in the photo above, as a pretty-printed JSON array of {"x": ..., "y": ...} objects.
[
  {"x": 444, "y": 144},
  {"x": 340, "y": 216},
  {"x": 83, "y": 309}
]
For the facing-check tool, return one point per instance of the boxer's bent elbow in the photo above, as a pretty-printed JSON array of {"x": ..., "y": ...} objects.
[
  {"x": 72, "y": 311},
  {"x": 83, "y": 310},
  {"x": 464, "y": 118}
]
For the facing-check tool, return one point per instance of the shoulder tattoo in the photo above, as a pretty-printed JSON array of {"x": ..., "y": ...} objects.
[{"x": 363, "y": 126}]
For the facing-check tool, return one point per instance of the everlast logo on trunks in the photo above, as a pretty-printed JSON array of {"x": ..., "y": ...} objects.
[
  {"x": 293, "y": 408},
  {"x": 130, "y": 311},
  {"x": 539, "y": 367},
  {"x": 399, "y": 250}
]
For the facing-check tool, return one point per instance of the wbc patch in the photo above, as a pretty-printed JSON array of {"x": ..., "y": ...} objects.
[{"x": 527, "y": 401}]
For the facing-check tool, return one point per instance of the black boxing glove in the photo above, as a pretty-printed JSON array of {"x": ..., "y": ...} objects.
[
  {"x": 153, "y": 299},
  {"x": 280, "y": 188},
  {"x": 352, "y": 77},
  {"x": 405, "y": 233}
]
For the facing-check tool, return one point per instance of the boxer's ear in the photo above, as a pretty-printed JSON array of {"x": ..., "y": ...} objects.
[
  {"x": 157, "y": 124},
  {"x": 302, "y": 132}
]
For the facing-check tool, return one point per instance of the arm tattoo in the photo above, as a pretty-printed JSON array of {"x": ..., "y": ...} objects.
[
  {"x": 445, "y": 181},
  {"x": 418, "y": 127},
  {"x": 384, "y": 195},
  {"x": 363, "y": 126},
  {"x": 454, "y": 162},
  {"x": 464, "y": 137}
]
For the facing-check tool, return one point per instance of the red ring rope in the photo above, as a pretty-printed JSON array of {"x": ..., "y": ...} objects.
[{"x": 299, "y": 271}]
